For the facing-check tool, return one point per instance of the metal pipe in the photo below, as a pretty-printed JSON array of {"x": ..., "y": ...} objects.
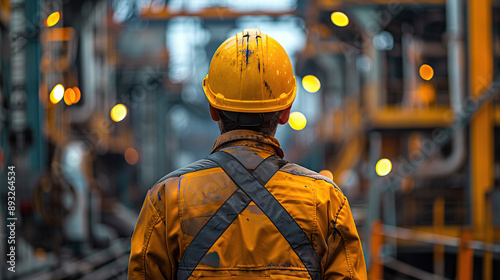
[
  {"x": 456, "y": 80},
  {"x": 82, "y": 114},
  {"x": 409, "y": 59}
]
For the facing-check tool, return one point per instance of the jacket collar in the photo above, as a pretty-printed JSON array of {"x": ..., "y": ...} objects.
[{"x": 248, "y": 138}]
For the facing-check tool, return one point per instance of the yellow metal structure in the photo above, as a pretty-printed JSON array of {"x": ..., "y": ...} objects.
[
  {"x": 397, "y": 117},
  {"x": 331, "y": 4},
  {"x": 207, "y": 13},
  {"x": 439, "y": 249},
  {"x": 376, "y": 272},
  {"x": 4, "y": 12},
  {"x": 481, "y": 131},
  {"x": 465, "y": 258},
  {"x": 250, "y": 73},
  {"x": 58, "y": 34}
]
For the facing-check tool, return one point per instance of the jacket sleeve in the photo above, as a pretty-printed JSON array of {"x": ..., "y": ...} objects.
[
  {"x": 148, "y": 253},
  {"x": 345, "y": 258}
]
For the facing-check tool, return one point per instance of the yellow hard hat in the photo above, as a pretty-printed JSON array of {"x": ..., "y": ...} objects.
[{"x": 250, "y": 73}]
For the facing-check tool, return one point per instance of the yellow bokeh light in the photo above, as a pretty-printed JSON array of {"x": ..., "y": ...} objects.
[
  {"x": 426, "y": 72},
  {"x": 69, "y": 96},
  {"x": 78, "y": 94},
  {"x": 56, "y": 94},
  {"x": 131, "y": 156},
  {"x": 311, "y": 83},
  {"x": 297, "y": 120},
  {"x": 41, "y": 254},
  {"x": 119, "y": 112},
  {"x": 53, "y": 19},
  {"x": 326, "y": 173},
  {"x": 340, "y": 19},
  {"x": 383, "y": 167}
]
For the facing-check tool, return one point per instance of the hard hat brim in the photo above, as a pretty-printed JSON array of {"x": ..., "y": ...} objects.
[{"x": 218, "y": 101}]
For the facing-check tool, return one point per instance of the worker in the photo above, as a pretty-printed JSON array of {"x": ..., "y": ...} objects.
[{"x": 244, "y": 212}]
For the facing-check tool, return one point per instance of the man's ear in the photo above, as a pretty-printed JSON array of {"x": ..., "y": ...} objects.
[
  {"x": 214, "y": 113},
  {"x": 285, "y": 115}
]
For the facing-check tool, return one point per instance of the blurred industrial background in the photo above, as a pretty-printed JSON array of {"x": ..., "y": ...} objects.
[{"x": 396, "y": 98}]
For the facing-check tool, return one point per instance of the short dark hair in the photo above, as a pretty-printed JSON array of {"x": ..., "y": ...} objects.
[{"x": 260, "y": 122}]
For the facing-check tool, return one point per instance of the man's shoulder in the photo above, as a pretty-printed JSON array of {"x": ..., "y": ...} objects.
[
  {"x": 201, "y": 164},
  {"x": 158, "y": 191},
  {"x": 295, "y": 169}
]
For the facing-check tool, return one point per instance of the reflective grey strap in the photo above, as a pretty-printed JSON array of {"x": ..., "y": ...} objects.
[
  {"x": 223, "y": 218},
  {"x": 253, "y": 186}
]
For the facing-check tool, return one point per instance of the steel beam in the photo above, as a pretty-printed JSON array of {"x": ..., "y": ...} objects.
[{"x": 481, "y": 128}]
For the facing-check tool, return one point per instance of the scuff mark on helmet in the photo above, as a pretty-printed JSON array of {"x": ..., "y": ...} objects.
[
  {"x": 248, "y": 45},
  {"x": 268, "y": 88}
]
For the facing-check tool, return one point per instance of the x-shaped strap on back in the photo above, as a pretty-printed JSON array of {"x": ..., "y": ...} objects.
[{"x": 250, "y": 188}]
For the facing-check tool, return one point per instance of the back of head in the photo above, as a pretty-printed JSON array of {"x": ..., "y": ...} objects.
[{"x": 250, "y": 79}]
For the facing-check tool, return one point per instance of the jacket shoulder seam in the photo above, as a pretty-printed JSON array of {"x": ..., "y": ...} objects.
[
  {"x": 302, "y": 171},
  {"x": 346, "y": 249},
  {"x": 148, "y": 237},
  {"x": 154, "y": 206},
  {"x": 199, "y": 165},
  {"x": 342, "y": 235},
  {"x": 340, "y": 209}
]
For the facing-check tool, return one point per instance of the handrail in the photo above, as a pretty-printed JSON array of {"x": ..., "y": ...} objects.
[
  {"x": 435, "y": 239},
  {"x": 410, "y": 270}
]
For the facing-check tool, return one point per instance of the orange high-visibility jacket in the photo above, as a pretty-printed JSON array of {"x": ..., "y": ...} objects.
[{"x": 181, "y": 203}]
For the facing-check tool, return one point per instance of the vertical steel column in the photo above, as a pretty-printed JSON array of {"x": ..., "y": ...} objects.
[
  {"x": 376, "y": 271},
  {"x": 18, "y": 97},
  {"x": 374, "y": 196},
  {"x": 36, "y": 111},
  {"x": 439, "y": 250},
  {"x": 465, "y": 256},
  {"x": 481, "y": 129}
]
